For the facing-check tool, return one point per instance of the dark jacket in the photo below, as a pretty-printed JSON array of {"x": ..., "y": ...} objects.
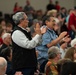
[{"x": 22, "y": 57}]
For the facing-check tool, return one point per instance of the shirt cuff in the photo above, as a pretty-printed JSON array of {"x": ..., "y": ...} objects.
[{"x": 37, "y": 38}]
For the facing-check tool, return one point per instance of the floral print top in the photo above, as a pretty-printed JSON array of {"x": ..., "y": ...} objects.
[{"x": 51, "y": 68}]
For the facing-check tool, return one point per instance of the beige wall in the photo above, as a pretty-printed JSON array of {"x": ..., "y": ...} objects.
[
  {"x": 75, "y": 2},
  {"x": 7, "y": 5}
]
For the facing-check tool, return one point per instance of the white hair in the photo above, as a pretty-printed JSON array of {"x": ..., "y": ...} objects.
[
  {"x": 18, "y": 16},
  {"x": 5, "y": 35},
  {"x": 73, "y": 42}
]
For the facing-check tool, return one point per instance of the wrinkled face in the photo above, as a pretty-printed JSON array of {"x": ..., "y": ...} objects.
[
  {"x": 24, "y": 22},
  {"x": 59, "y": 56},
  {"x": 51, "y": 23},
  {"x": 8, "y": 39}
]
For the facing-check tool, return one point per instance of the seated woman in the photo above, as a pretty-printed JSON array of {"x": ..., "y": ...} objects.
[
  {"x": 51, "y": 66},
  {"x": 66, "y": 67},
  {"x": 7, "y": 54},
  {"x": 71, "y": 54}
]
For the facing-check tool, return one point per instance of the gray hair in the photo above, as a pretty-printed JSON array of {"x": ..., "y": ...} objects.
[
  {"x": 18, "y": 16},
  {"x": 53, "y": 51}
]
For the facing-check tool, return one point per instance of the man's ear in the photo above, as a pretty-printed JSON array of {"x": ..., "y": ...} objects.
[{"x": 20, "y": 21}]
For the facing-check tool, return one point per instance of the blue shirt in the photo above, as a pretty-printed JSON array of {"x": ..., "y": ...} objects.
[{"x": 43, "y": 49}]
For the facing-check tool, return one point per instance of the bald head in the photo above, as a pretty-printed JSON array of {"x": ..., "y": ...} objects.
[{"x": 3, "y": 65}]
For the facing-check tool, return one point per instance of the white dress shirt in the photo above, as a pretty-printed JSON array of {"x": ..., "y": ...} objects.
[{"x": 21, "y": 40}]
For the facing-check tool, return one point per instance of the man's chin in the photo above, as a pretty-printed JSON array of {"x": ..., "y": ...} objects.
[{"x": 26, "y": 26}]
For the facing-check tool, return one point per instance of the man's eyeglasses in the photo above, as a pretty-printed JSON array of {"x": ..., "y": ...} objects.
[{"x": 25, "y": 19}]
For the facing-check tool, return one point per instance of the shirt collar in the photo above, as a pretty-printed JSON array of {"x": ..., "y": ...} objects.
[
  {"x": 51, "y": 30},
  {"x": 23, "y": 28}
]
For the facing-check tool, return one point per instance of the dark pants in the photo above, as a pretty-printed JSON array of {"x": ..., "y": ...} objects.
[{"x": 42, "y": 66}]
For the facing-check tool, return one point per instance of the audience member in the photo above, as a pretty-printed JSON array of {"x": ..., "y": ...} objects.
[
  {"x": 6, "y": 37},
  {"x": 71, "y": 53},
  {"x": 53, "y": 12},
  {"x": 9, "y": 27},
  {"x": 3, "y": 65},
  {"x": 66, "y": 67},
  {"x": 50, "y": 6},
  {"x": 28, "y": 8},
  {"x": 70, "y": 11},
  {"x": 49, "y": 39},
  {"x": 33, "y": 26},
  {"x": 51, "y": 66},
  {"x": 38, "y": 42},
  {"x": 72, "y": 24},
  {"x": 73, "y": 43},
  {"x": 3, "y": 23},
  {"x": 16, "y": 7},
  {"x": 2, "y": 31},
  {"x": 39, "y": 14},
  {"x": 7, "y": 54},
  {"x": 63, "y": 48},
  {"x": 63, "y": 13},
  {"x": 20, "y": 8},
  {"x": 24, "y": 46},
  {"x": 57, "y": 6}
]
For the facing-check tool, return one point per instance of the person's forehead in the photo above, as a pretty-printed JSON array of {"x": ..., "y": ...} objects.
[
  {"x": 52, "y": 18},
  {"x": 25, "y": 16}
]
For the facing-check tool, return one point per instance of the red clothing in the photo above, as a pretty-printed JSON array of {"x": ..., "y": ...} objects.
[
  {"x": 72, "y": 21},
  {"x": 16, "y": 9},
  {"x": 58, "y": 7},
  {"x": 1, "y": 41}
]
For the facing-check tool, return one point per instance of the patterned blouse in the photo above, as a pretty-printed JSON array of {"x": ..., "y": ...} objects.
[{"x": 51, "y": 68}]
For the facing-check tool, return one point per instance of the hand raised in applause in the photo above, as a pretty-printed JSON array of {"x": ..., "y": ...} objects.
[
  {"x": 38, "y": 30},
  {"x": 67, "y": 39},
  {"x": 62, "y": 35}
]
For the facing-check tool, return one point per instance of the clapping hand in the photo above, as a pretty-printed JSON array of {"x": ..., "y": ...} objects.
[
  {"x": 62, "y": 35},
  {"x": 67, "y": 39},
  {"x": 38, "y": 30}
]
